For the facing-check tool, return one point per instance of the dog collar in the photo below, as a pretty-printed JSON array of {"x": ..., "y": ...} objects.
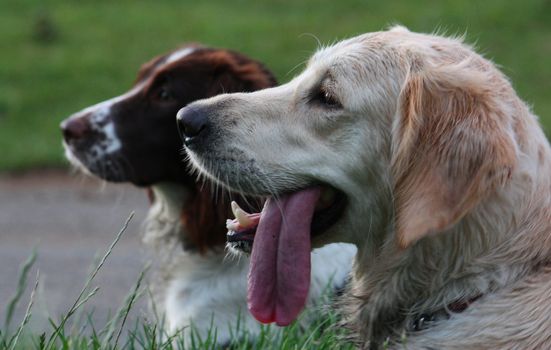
[{"x": 424, "y": 320}]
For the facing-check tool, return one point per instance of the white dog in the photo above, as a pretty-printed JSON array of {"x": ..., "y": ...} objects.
[{"x": 417, "y": 150}]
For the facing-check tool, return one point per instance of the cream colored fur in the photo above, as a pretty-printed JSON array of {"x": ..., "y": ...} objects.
[{"x": 447, "y": 173}]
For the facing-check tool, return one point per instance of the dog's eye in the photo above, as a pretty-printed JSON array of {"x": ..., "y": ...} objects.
[
  {"x": 164, "y": 94},
  {"x": 327, "y": 98}
]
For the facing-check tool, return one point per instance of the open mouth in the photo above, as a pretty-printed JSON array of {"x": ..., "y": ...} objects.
[
  {"x": 242, "y": 229},
  {"x": 280, "y": 236}
]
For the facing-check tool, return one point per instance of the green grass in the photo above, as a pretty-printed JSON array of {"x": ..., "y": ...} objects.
[
  {"x": 70, "y": 333},
  {"x": 97, "y": 46}
]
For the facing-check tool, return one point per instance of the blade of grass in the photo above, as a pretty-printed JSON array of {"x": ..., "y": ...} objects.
[
  {"x": 133, "y": 298},
  {"x": 122, "y": 314},
  {"x": 27, "y": 317},
  {"x": 77, "y": 302},
  {"x": 78, "y": 314},
  {"x": 21, "y": 286}
]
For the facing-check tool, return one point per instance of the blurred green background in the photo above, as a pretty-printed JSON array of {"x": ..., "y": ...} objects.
[{"x": 57, "y": 57}]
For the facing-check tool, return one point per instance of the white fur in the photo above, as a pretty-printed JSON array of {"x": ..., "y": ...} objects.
[
  {"x": 199, "y": 290},
  {"x": 100, "y": 122},
  {"x": 176, "y": 56}
]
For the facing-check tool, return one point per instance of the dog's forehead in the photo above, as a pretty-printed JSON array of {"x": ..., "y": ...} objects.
[
  {"x": 336, "y": 54},
  {"x": 353, "y": 55},
  {"x": 150, "y": 69},
  {"x": 179, "y": 54},
  {"x": 378, "y": 46}
]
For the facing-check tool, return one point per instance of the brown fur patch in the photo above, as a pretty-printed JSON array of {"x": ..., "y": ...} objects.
[{"x": 204, "y": 220}]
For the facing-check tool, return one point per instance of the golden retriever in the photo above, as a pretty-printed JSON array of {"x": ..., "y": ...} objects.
[{"x": 417, "y": 150}]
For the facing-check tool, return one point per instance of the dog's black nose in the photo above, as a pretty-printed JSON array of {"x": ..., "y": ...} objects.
[
  {"x": 75, "y": 128},
  {"x": 191, "y": 122}
]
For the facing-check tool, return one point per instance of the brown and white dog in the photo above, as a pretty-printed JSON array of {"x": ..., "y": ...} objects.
[
  {"x": 133, "y": 138},
  {"x": 438, "y": 172}
]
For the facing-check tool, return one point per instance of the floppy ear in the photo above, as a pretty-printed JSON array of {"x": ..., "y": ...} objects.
[{"x": 451, "y": 149}]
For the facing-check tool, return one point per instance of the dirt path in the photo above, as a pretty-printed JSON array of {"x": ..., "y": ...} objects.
[{"x": 70, "y": 220}]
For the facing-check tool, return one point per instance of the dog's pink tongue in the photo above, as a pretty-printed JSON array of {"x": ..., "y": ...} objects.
[{"x": 279, "y": 273}]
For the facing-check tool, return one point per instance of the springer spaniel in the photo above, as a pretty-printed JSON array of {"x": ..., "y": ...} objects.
[
  {"x": 133, "y": 138},
  {"x": 437, "y": 171}
]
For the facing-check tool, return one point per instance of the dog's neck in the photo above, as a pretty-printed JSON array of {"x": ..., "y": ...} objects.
[
  {"x": 168, "y": 200},
  {"x": 163, "y": 219},
  {"x": 414, "y": 289},
  {"x": 505, "y": 239},
  {"x": 190, "y": 285},
  {"x": 173, "y": 216}
]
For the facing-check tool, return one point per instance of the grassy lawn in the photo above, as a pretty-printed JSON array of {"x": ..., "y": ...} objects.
[
  {"x": 76, "y": 330},
  {"x": 58, "y": 56},
  {"x": 95, "y": 48}
]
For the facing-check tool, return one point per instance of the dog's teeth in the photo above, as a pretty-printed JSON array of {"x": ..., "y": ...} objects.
[
  {"x": 235, "y": 208},
  {"x": 241, "y": 215},
  {"x": 232, "y": 225}
]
